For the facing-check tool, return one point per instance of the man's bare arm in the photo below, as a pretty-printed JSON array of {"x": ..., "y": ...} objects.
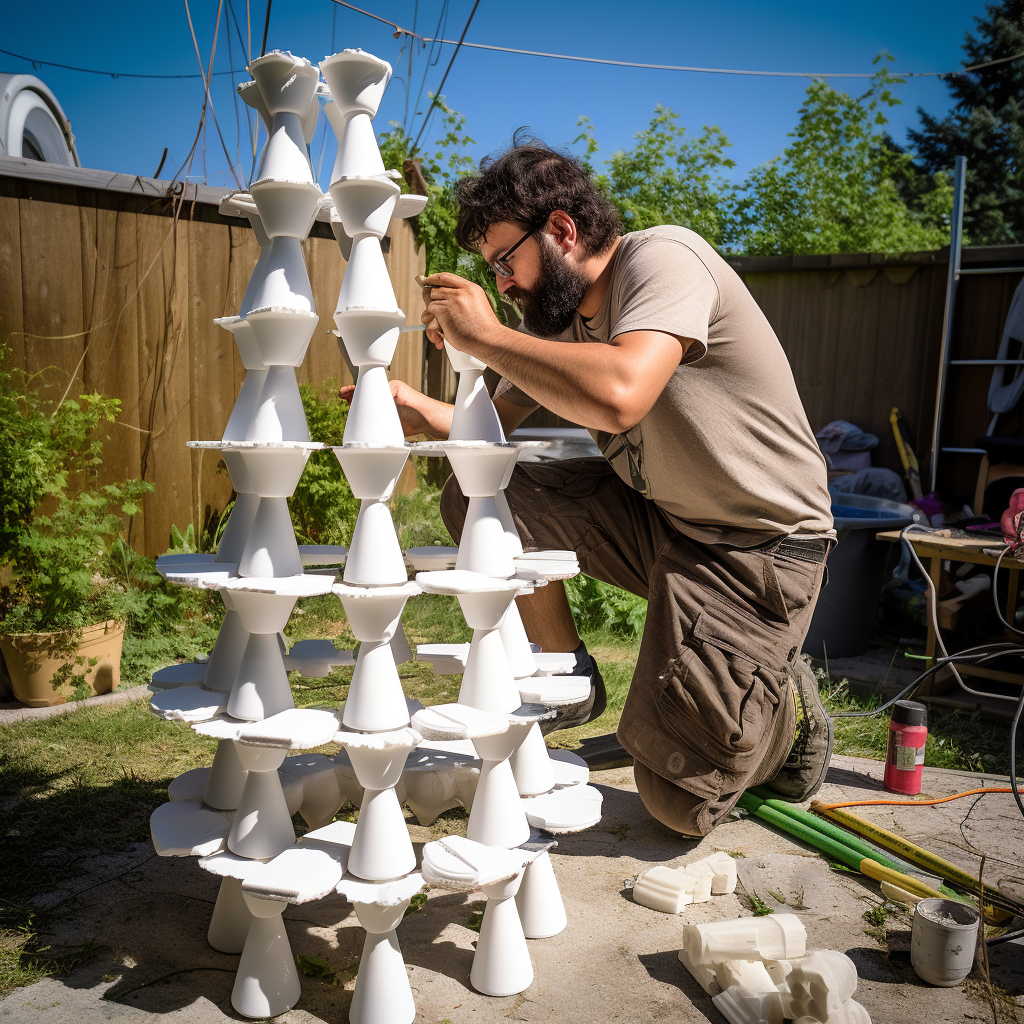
[
  {"x": 512, "y": 415},
  {"x": 605, "y": 387}
]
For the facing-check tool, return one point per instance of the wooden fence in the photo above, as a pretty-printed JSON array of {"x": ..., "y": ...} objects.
[
  {"x": 109, "y": 285},
  {"x": 116, "y": 285}
]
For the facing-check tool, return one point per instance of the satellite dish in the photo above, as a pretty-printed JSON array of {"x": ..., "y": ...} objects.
[{"x": 32, "y": 124}]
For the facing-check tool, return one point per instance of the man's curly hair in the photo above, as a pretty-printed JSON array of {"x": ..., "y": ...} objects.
[{"x": 525, "y": 185}]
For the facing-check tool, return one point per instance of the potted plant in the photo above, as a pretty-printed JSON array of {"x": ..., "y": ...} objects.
[{"x": 62, "y": 605}]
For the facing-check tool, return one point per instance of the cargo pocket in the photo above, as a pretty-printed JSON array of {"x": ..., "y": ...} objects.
[{"x": 718, "y": 702}]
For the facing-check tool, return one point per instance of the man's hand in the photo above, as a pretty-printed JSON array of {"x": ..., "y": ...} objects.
[
  {"x": 461, "y": 309},
  {"x": 417, "y": 413}
]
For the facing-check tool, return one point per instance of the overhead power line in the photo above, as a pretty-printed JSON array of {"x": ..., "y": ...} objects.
[
  {"x": 36, "y": 62},
  {"x": 444, "y": 78},
  {"x": 674, "y": 67}
]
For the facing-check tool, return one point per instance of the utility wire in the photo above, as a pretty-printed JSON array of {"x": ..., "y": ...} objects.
[
  {"x": 437, "y": 93},
  {"x": 266, "y": 29},
  {"x": 36, "y": 62},
  {"x": 678, "y": 67}
]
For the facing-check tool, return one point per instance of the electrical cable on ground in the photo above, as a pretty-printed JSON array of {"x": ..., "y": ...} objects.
[
  {"x": 979, "y": 655},
  {"x": 915, "y": 803}
]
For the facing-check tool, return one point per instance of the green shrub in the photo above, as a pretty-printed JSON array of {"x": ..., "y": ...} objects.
[
  {"x": 322, "y": 507},
  {"x": 58, "y": 524},
  {"x": 600, "y": 607}
]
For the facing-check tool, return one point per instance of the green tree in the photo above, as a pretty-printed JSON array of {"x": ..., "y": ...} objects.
[
  {"x": 435, "y": 226},
  {"x": 667, "y": 178},
  {"x": 836, "y": 187},
  {"x": 986, "y": 126}
]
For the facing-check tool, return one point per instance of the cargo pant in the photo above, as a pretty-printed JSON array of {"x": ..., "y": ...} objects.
[{"x": 709, "y": 712}]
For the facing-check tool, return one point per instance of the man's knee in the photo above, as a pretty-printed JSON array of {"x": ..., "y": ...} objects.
[
  {"x": 672, "y": 805},
  {"x": 453, "y": 507}
]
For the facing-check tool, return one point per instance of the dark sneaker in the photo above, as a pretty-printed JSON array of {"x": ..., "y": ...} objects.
[
  {"x": 593, "y": 707},
  {"x": 804, "y": 770}
]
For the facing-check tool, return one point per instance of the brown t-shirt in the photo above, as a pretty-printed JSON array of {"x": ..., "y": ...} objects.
[{"x": 726, "y": 451}]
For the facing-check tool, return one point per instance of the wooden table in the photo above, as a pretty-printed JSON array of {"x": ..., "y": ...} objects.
[{"x": 933, "y": 550}]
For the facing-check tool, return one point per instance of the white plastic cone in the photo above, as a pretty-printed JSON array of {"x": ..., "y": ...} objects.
[
  {"x": 267, "y": 982},
  {"x": 366, "y": 284},
  {"x": 501, "y": 966},
  {"x": 376, "y": 702},
  {"x": 374, "y": 557},
  {"x": 226, "y": 780},
  {"x": 381, "y": 848},
  {"x": 227, "y": 652},
  {"x": 278, "y": 415},
  {"x": 236, "y": 532},
  {"x": 369, "y": 337},
  {"x": 284, "y": 156},
  {"x": 287, "y": 83},
  {"x": 372, "y": 414},
  {"x": 248, "y": 400},
  {"x": 539, "y": 901},
  {"x": 531, "y": 765},
  {"x": 282, "y": 335},
  {"x": 483, "y": 547},
  {"x": 497, "y": 817},
  {"x": 382, "y": 993},
  {"x": 487, "y": 681},
  {"x": 372, "y": 472},
  {"x": 262, "y": 826},
  {"x": 261, "y": 686},
  {"x": 517, "y": 644},
  {"x": 274, "y": 472},
  {"x": 271, "y": 549},
  {"x": 365, "y": 204},
  {"x": 357, "y": 81},
  {"x": 286, "y": 207},
  {"x": 281, "y": 279},
  {"x": 229, "y": 925}
]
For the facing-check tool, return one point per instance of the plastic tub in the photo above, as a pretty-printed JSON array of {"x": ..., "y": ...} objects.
[{"x": 845, "y": 613}]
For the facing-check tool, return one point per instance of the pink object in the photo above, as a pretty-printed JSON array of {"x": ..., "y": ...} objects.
[
  {"x": 1010, "y": 519},
  {"x": 904, "y": 760}
]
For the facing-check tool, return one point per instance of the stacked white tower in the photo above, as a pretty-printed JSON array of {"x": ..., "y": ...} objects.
[{"x": 487, "y": 751}]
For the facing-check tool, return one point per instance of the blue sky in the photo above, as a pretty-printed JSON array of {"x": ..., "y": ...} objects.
[{"x": 123, "y": 124}]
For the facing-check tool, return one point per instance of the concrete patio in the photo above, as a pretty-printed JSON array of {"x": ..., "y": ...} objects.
[{"x": 615, "y": 962}]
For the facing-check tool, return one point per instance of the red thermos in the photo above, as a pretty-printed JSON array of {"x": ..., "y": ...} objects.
[{"x": 904, "y": 760}]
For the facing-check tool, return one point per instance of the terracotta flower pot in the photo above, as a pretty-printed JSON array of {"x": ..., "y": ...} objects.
[{"x": 34, "y": 661}]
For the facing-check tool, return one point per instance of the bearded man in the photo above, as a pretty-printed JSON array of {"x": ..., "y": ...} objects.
[{"x": 710, "y": 500}]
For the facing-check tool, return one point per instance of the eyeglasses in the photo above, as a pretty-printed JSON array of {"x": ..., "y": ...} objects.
[{"x": 499, "y": 265}]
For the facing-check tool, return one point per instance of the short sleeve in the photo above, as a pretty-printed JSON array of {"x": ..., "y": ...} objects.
[
  {"x": 665, "y": 286},
  {"x": 510, "y": 393}
]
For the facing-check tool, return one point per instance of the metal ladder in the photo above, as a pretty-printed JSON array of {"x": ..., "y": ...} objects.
[{"x": 954, "y": 274}]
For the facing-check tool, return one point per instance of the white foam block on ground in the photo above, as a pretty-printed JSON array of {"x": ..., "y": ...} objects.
[
  {"x": 188, "y": 673},
  {"x": 229, "y": 865},
  {"x": 387, "y": 894},
  {"x": 430, "y": 559},
  {"x": 552, "y": 663},
  {"x": 445, "y": 659},
  {"x": 189, "y": 786},
  {"x": 188, "y": 704},
  {"x": 458, "y": 863},
  {"x": 555, "y": 691},
  {"x": 187, "y": 829},
  {"x": 294, "y": 729},
  {"x": 664, "y": 889},
  {"x": 564, "y": 810},
  {"x": 570, "y": 769},
  {"x": 307, "y": 871}
]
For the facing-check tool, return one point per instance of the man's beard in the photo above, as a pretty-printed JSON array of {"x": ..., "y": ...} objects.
[{"x": 549, "y": 307}]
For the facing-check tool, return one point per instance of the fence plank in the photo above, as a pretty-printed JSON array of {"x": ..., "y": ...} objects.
[{"x": 11, "y": 300}]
